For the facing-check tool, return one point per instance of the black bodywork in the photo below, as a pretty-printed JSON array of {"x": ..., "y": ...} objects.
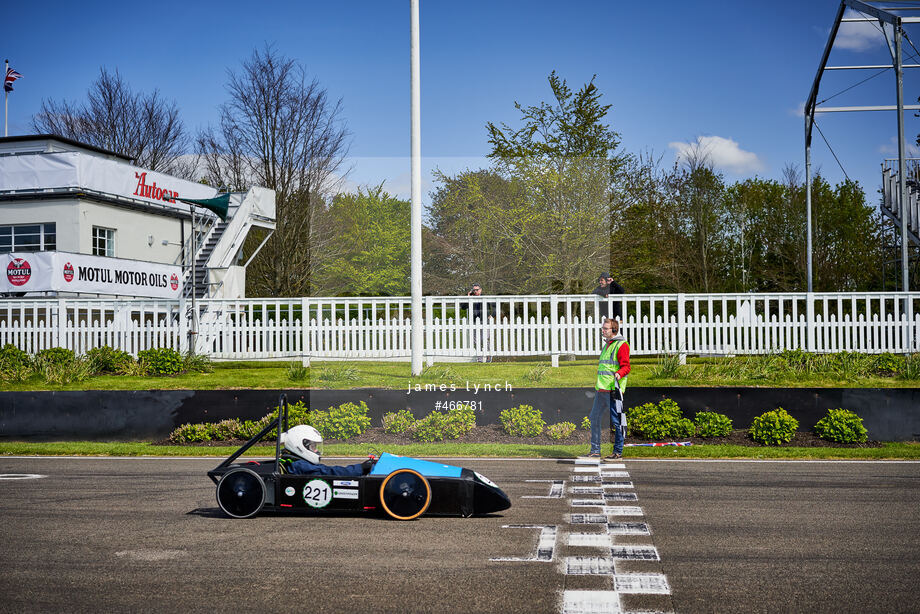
[{"x": 404, "y": 493}]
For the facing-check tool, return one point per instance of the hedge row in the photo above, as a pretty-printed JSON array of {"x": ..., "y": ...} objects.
[
  {"x": 665, "y": 420},
  {"x": 661, "y": 420},
  {"x": 59, "y": 365}
]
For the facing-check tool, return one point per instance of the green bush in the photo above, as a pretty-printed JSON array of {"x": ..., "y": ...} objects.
[
  {"x": 11, "y": 356},
  {"x": 192, "y": 433},
  {"x": 430, "y": 428},
  {"x": 459, "y": 422},
  {"x": 659, "y": 421},
  {"x": 225, "y": 429},
  {"x": 537, "y": 373},
  {"x": 667, "y": 367},
  {"x": 15, "y": 365},
  {"x": 298, "y": 413},
  {"x": 105, "y": 359},
  {"x": 522, "y": 421},
  {"x": 197, "y": 363},
  {"x": 296, "y": 372},
  {"x": 712, "y": 424},
  {"x": 911, "y": 368},
  {"x": 397, "y": 422},
  {"x": 15, "y": 372},
  {"x": 55, "y": 356},
  {"x": 842, "y": 426},
  {"x": 888, "y": 364},
  {"x": 586, "y": 423},
  {"x": 342, "y": 422},
  {"x": 160, "y": 361},
  {"x": 76, "y": 370},
  {"x": 248, "y": 429},
  {"x": 560, "y": 430},
  {"x": 438, "y": 426},
  {"x": 774, "y": 427}
]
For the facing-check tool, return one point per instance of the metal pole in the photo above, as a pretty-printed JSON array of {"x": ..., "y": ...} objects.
[
  {"x": 808, "y": 271},
  {"x": 6, "y": 98},
  {"x": 416, "y": 218},
  {"x": 902, "y": 185},
  {"x": 193, "y": 339}
]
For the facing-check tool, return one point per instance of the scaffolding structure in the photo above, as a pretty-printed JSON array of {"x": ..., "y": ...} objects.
[{"x": 891, "y": 17}]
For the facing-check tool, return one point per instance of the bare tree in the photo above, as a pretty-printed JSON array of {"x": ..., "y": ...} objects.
[
  {"x": 145, "y": 127},
  {"x": 282, "y": 132}
]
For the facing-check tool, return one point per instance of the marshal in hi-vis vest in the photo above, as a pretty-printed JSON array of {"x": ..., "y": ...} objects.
[{"x": 607, "y": 366}]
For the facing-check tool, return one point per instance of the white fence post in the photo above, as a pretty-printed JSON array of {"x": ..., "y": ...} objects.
[
  {"x": 682, "y": 327},
  {"x": 429, "y": 331},
  {"x": 810, "y": 340},
  {"x": 554, "y": 329},
  {"x": 60, "y": 317},
  {"x": 305, "y": 332},
  {"x": 183, "y": 327}
]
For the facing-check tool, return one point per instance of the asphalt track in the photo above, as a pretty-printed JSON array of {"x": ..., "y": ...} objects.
[{"x": 138, "y": 535}]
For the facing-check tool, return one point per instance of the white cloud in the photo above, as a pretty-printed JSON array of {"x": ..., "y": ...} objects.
[
  {"x": 891, "y": 148},
  {"x": 799, "y": 111},
  {"x": 858, "y": 36},
  {"x": 723, "y": 153}
]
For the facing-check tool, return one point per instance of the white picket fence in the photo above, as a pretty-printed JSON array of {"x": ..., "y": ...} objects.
[{"x": 378, "y": 328}]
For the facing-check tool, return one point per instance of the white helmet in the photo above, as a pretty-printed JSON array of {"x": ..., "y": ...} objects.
[{"x": 303, "y": 441}]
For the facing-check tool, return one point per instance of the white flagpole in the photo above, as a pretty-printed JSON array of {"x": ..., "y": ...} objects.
[{"x": 6, "y": 97}]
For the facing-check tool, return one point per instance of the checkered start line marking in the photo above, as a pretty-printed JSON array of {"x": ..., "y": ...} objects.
[
  {"x": 597, "y": 486},
  {"x": 604, "y": 492}
]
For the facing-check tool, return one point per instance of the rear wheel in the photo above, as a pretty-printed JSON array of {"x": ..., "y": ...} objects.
[
  {"x": 241, "y": 493},
  {"x": 405, "y": 494}
]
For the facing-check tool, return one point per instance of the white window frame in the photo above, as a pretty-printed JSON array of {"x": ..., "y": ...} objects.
[
  {"x": 104, "y": 237},
  {"x": 45, "y": 229}
]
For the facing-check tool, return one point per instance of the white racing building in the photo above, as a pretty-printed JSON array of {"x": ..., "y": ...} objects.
[{"x": 76, "y": 220}]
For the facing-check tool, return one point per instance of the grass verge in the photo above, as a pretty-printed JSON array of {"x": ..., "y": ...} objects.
[
  {"x": 888, "y": 451},
  {"x": 518, "y": 373}
]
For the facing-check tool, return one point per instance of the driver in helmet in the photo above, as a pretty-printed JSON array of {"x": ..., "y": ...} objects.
[{"x": 306, "y": 443}]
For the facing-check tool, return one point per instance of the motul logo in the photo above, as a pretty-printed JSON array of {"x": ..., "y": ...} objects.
[
  {"x": 68, "y": 272},
  {"x": 174, "y": 281},
  {"x": 152, "y": 191},
  {"x": 18, "y": 271}
]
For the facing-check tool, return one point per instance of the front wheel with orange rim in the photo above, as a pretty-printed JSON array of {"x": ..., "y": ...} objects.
[{"x": 405, "y": 494}]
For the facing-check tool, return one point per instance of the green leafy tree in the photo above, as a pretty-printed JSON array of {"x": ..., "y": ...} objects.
[
  {"x": 371, "y": 254},
  {"x": 540, "y": 220}
]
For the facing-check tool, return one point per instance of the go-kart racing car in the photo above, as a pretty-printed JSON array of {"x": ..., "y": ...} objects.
[{"x": 404, "y": 488}]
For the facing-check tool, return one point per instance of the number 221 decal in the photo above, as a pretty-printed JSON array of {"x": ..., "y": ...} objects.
[{"x": 317, "y": 493}]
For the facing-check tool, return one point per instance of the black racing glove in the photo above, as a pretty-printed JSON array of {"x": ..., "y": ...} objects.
[{"x": 368, "y": 465}]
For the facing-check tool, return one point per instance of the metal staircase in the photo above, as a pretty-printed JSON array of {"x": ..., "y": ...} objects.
[
  {"x": 202, "y": 256},
  {"x": 216, "y": 244},
  {"x": 891, "y": 203}
]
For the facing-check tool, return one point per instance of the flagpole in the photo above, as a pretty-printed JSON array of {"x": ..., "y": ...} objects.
[{"x": 6, "y": 97}]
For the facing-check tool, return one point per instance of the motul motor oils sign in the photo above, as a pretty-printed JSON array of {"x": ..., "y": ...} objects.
[{"x": 65, "y": 272}]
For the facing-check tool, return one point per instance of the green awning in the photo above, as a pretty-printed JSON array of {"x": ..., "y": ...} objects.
[{"x": 218, "y": 204}]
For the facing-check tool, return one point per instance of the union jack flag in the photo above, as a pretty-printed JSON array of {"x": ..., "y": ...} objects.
[{"x": 11, "y": 75}]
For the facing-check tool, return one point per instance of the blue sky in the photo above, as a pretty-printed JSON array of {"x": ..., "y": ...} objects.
[{"x": 734, "y": 76}]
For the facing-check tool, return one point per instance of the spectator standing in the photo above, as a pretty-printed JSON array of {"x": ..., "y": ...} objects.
[
  {"x": 617, "y": 309},
  {"x": 612, "y": 369},
  {"x": 602, "y": 290}
]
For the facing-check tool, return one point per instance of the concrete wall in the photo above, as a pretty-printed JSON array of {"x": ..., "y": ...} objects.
[{"x": 888, "y": 414}]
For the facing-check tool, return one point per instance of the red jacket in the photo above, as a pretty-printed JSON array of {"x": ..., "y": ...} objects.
[{"x": 623, "y": 359}]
